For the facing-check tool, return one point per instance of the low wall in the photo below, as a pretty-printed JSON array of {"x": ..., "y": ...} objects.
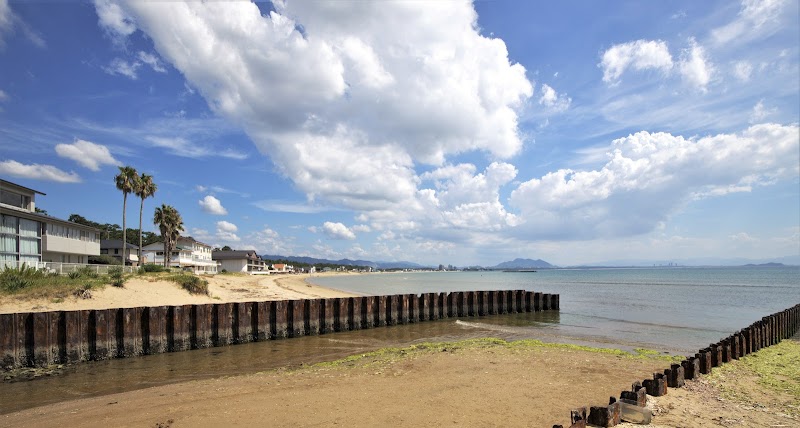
[
  {"x": 769, "y": 331},
  {"x": 44, "y": 338}
]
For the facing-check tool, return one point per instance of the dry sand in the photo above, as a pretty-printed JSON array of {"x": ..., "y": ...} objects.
[{"x": 143, "y": 291}]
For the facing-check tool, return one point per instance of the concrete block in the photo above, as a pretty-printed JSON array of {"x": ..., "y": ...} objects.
[
  {"x": 605, "y": 416},
  {"x": 638, "y": 396},
  {"x": 716, "y": 354},
  {"x": 675, "y": 376},
  {"x": 691, "y": 367},
  {"x": 577, "y": 417},
  {"x": 657, "y": 386}
]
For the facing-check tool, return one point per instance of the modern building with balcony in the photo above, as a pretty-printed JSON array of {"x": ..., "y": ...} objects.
[
  {"x": 189, "y": 254},
  {"x": 245, "y": 261},
  {"x": 30, "y": 237}
]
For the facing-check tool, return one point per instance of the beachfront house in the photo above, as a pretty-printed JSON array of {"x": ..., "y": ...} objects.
[
  {"x": 113, "y": 248},
  {"x": 189, "y": 254},
  {"x": 245, "y": 261},
  {"x": 34, "y": 238},
  {"x": 282, "y": 268}
]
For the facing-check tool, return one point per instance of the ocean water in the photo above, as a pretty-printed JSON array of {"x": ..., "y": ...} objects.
[{"x": 677, "y": 310}]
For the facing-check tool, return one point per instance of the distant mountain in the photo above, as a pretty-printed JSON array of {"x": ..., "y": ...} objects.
[
  {"x": 523, "y": 264},
  {"x": 348, "y": 262},
  {"x": 701, "y": 261}
]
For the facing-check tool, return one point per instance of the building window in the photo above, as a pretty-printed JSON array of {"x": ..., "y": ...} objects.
[
  {"x": 20, "y": 239},
  {"x": 14, "y": 199}
]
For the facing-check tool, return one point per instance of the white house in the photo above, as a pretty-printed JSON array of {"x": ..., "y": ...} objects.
[
  {"x": 246, "y": 261},
  {"x": 30, "y": 237},
  {"x": 189, "y": 254}
]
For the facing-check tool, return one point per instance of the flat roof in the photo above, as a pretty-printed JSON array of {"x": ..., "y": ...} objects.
[{"x": 4, "y": 182}]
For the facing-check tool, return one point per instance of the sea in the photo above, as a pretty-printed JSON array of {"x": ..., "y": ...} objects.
[{"x": 671, "y": 310}]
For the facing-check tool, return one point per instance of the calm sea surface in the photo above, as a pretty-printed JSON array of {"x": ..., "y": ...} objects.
[
  {"x": 668, "y": 309},
  {"x": 675, "y": 310}
]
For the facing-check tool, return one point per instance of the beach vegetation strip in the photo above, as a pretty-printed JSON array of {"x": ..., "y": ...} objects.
[
  {"x": 390, "y": 354},
  {"x": 29, "y": 283},
  {"x": 775, "y": 370}
]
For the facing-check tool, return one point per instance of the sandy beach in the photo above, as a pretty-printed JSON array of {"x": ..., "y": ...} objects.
[
  {"x": 145, "y": 291},
  {"x": 478, "y": 383}
]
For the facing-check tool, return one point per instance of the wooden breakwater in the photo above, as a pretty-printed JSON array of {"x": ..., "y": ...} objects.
[
  {"x": 42, "y": 338},
  {"x": 770, "y": 330}
]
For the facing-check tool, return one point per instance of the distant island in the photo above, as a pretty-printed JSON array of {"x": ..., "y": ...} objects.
[{"x": 523, "y": 264}]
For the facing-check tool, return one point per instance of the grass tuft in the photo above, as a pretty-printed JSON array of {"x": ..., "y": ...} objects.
[{"x": 191, "y": 283}]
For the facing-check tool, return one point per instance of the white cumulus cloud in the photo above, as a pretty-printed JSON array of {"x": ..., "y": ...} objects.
[
  {"x": 695, "y": 67},
  {"x": 638, "y": 55},
  {"x": 212, "y": 206},
  {"x": 314, "y": 85},
  {"x": 87, "y": 154},
  {"x": 553, "y": 100},
  {"x": 337, "y": 231},
  {"x": 650, "y": 176},
  {"x": 37, "y": 172},
  {"x": 226, "y": 232}
]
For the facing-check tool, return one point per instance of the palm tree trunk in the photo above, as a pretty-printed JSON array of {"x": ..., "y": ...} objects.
[
  {"x": 124, "y": 229},
  {"x": 141, "y": 208}
]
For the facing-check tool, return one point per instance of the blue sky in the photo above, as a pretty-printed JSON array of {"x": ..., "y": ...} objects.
[{"x": 448, "y": 132}]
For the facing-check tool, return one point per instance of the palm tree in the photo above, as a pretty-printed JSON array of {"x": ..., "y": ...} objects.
[
  {"x": 126, "y": 181},
  {"x": 170, "y": 224},
  {"x": 145, "y": 189}
]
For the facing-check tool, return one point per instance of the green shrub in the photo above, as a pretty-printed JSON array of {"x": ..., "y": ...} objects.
[
  {"x": 104, "y": 259},
  {"x": 116, "y": 275},
  {"x": 191, "y": 283},
  {"x": 74, "y": 274},
  {"x": 88, "y": 272},
  {"x": 153, "y": 268},
  {"x": 14, "y": 279}
]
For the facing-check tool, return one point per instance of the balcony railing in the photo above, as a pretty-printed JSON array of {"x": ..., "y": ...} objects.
[{"x": 64, "y": 268}]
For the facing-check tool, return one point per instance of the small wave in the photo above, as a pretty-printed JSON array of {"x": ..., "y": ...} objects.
[{"x": 650, "y": 324}]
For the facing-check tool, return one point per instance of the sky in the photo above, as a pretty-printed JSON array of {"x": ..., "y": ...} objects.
[{"x": 464, "y": 133}]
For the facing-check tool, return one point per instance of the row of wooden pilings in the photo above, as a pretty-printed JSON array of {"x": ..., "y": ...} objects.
[
  {"x": 44, "y": 338},
  {"x": 768, "y": 331}
]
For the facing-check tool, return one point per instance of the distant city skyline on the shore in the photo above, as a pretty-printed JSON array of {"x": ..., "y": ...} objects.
[{"x": 450, "y": 132}]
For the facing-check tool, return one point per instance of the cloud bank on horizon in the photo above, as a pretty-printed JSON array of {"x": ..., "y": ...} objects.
[{"x": 410, "y": 132}]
